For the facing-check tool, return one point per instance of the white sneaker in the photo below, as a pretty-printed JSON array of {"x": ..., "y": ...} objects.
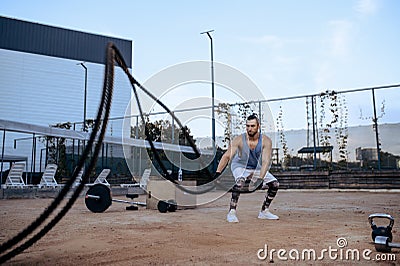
[
  {"x": 267, "y": 215},
  {"x": 231, "y": 217}
]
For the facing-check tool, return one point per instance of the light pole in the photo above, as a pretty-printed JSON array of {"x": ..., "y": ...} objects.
[
  {"x": 375, "y": 120},
  {"x": 84, "y": 98},
  {"x": 212, "y": 98}
]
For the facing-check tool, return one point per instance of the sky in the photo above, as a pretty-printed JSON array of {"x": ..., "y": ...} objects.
[{"x": 286, "y": 48}]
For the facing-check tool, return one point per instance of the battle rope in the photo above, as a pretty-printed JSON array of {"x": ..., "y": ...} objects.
[
  {"x": 216, "y": 182},
  {"x": 135, "y": 83},
  {"x": 216, "y": 179},
  {"x": 95, "y": 137}
]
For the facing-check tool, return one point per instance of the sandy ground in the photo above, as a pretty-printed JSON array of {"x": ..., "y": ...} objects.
[{"x": 309, "y": 220}]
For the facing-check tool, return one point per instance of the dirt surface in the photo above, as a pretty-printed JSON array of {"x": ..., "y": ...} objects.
[{"x": 309, "y": 220}]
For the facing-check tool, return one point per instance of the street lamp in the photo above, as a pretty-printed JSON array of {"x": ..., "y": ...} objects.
[
  {"x": 212, "y": 97},
  {"x": 84, "y": 97}
]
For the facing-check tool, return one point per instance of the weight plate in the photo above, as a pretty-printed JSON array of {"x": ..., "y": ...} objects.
[
  {"x": 172, "y": 205},
  {"x": 382, "y": 244},
  {"x": 162, "y": 206},
  {"x": 103, "y": 201}
]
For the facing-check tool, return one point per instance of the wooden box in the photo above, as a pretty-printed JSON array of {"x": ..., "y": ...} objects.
[{"x": 165, "y": 190}]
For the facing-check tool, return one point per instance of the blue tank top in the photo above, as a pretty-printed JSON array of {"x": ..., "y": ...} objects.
[{"x": 248, "y": 158}]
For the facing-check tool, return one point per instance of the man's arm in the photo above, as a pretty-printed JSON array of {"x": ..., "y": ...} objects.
[
  {"x": 227, "y": 156},
  {"x": 266, "y": 156}
]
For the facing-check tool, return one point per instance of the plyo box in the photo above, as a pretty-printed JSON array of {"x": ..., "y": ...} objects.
[{"x": 165, "y": 190}]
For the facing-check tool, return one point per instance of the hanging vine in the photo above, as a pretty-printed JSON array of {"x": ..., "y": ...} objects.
[
  {"x": 333, "y": 121},
  {"x": 333, "y": 110},
  {"x": 375, "y": 120},
  {"x": 281, "y": 132},
  {"x": 334, "y": 117},
  {"x": 244, "y": 110},
  {"x": 224, "y": 112},
  {"x": 342, "y": 131},
  {"x": 382, "y": 114},
  {"x": 324, "y": 129},
  {"x": 309, "y": 120}
]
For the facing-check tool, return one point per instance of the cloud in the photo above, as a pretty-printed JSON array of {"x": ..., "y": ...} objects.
[
  {"x": 340, "y": 39},
  {"x": 366, "y": 7},
  {"x": 336, "y": 52}
]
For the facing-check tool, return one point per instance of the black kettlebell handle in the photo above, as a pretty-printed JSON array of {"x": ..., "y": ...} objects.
[{"x": 380, "y": 215}]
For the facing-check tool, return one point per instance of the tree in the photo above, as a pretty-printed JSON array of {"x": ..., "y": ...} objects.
[
  {"x": 56, "y": 149},
  {"x": 161, "y": 131}
]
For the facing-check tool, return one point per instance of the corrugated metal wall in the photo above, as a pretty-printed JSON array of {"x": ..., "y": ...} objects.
[
  {"x": 47, "y": 40},
  {"x": 46, "y": 90},
  {"x": 43, "y": 83}
]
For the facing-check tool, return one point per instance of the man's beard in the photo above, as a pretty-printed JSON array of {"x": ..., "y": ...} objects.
[{"x": 251, "y": 134}]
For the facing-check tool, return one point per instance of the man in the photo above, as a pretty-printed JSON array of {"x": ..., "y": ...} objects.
[{"x": 251, "y": 155}]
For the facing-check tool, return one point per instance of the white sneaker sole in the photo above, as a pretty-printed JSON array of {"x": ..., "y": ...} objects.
[
  {"x": 263, "y": 218},
  {"x": 268, "y": 218},
  {"x": 232, "y": 221}
]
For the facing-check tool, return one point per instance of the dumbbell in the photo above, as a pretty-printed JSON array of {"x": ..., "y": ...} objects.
[
  {"x": 98, "y": 199},
  {"x": 384, "y": 244},
  {"x": 164, "y": 206}
]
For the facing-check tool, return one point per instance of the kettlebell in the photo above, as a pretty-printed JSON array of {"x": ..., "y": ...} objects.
[{"x": 381, "y": 230}]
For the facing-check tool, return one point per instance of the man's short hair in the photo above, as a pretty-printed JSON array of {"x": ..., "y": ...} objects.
[{"x": 252, "y": 117}]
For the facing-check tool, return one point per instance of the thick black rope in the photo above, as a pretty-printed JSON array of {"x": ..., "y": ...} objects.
[
  {"x": 216, "y": 182},
  {"x": 100, "y": 124},
  {"x": 135, "y": 83},
  {"x": 101, "y": 120}
]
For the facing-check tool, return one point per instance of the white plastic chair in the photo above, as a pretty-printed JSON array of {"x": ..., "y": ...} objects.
[
  {"x": 48, "y": 179},
  {"x": 145, "y": 178},
  {"x": 101, "y": 178},
  {"x": 78, "y": 179},
  {"x": 14, "y": 177}
]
